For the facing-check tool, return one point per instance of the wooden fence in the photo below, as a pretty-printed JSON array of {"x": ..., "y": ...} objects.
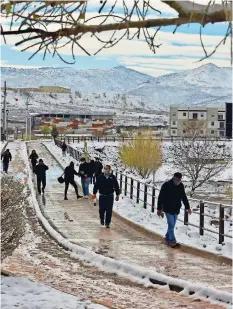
[{"x": 147, "y": 194}]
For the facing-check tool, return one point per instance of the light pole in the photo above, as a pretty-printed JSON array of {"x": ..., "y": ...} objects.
[
  {"x": 7, "y": 114},
  {"x": 27, "y": 125},
  {"x": 4, "y": 108}
]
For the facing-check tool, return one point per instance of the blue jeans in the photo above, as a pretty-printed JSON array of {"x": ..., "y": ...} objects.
[
  {"x": 171, "y": 222},
  {"x": 85, "y": 186}
]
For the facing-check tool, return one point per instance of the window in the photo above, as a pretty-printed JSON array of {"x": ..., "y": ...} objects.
[
  {"x": 195, "y": 115},
  {"x": 222, "y": 133},
  {"x": 220, "y": 117},
  {"x": 202, "y": 115},
  {"x": 173, "y": 114},
  {"x": 173, "y": 122},
  {"x": 173, "y": 131},
  {"x": 201, "y": 131},
  {"x": 212, "y": 132},
  {"x": 221, "y": 125},
  {"x": 184, "y": 131},
  {"x": 184, "y": 114},
  {"x": 212, "y": 123},
  {"x": 213, "y": 115}
]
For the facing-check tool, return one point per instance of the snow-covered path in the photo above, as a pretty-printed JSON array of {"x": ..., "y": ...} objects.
[
  {"x": 40, "y": 259},
  {"x": 78, "y": 221}
]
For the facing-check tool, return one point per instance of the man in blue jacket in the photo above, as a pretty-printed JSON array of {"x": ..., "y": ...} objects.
[
  {"x": 171, "y": 194},
  {"x": 106, "y": 184}
]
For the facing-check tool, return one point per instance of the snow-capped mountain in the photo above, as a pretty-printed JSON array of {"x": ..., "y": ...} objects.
[
  {"x": 116, "y": 80},
  {"x": 205, "y": 85}
]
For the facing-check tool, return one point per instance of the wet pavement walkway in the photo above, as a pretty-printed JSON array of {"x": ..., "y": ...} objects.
[
  {"x": 39, "y": 258},
  {"x": 78, "y": 221}
]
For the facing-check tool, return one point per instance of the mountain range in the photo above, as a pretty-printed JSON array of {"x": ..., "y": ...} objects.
[{"x": 205, "y": 85}]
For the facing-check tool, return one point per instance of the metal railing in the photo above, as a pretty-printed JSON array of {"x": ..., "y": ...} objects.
[
  {"x": 73, "y": 139},
  {"x": 147, "y": 194}
]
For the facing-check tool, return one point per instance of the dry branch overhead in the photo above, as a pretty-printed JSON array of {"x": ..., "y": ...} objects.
[{"x": 50, "y": 25}]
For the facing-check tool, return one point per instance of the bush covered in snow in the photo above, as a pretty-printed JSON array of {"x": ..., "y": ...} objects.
[{"x": 13, "y": 201}]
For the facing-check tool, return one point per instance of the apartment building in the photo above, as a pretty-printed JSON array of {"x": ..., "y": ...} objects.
[{"x": 210, "y": 121}]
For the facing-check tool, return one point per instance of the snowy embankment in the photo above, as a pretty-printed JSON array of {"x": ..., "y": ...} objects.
[
  {"x": 127, "y": 208},
  {"x": 134, "y": 273},
  {"x": 25, "y": 294}
]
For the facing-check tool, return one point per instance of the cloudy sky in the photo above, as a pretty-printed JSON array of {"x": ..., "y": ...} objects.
[{"x": 178, "y": 52}]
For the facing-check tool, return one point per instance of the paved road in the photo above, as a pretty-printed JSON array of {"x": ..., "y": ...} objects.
[
  {"x": 41, "y": 259},
  {"x": 79, "y": 221}
]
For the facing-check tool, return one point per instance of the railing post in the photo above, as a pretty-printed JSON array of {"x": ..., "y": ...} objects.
[
  {"x": 221, "y": 224},
  {"x": 116, "y": 175},
  {"x": 68, "y": 140},
  {"x": 131, "y": 188},
  {"x": 202, "y": 210},
  {"x": 98, "y": 138},
  {"x": 126, "y": 179},
  {"x": 114, "y": 138},
  {"x": 73, "y": 139},
  {"x": 145, "y": 196},
  {"x": 186, "y": 217},
  {"x": 138, "y": 192},
  {"x": 78, "y": 139},
  {"x": 91, "y": 138},
  {"x": 121, "y": 182},
  {"x": 153, "y": 200}
]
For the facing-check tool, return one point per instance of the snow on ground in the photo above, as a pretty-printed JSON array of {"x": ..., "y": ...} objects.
[
  {"x": 22, "y": 293},
  {"x": 129, "y": 209},
  {"x": 135, "y": 273}
]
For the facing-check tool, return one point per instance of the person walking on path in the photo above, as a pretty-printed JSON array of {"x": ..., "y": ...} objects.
[
  {"x": 33, "y": 157},
  {"x": 92, "y": 171},
  {"x": 85, "y": 172},
  {"x": 169, "y": 201},
  {"x": 64, "y": 148},
  {"x": 69, "y": 179},
  {"x": 6, "y": 157},
  {"x": 40, "y": 171},
  {"x": 98, "y": 167},
  {"x": 106, "y": 184}
]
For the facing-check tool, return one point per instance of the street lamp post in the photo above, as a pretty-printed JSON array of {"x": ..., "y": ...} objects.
[{"x": 7, "y": 114}]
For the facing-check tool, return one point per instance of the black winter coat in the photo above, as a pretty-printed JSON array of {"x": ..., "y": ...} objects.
[
  {"x": 106, "y": 186},
  {"x": 170, "y": 198},
  {"x": 98, "y": 168},
  {"x": 63, "y": 147},
  {"x": 6, "y": 156},
  {"x": 86, "y": 169},
  {"x": 69, "y": 174},
  {"x": 33, "y": 157},
  {"x": 40, "y": 170}
]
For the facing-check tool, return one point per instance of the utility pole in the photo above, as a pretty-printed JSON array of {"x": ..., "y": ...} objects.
[
  {"x": 27, "y": 105},
  {"x": 4, "y": 110}
]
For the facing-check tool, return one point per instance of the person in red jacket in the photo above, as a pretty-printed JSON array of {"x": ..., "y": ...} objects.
[{"x": 169, "y": 201}]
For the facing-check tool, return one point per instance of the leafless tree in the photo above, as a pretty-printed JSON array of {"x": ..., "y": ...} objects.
[
  {"x": 200, "y": 159},
  {"x": 13, "y": 201},
  {"x": 48, "y": 26}
]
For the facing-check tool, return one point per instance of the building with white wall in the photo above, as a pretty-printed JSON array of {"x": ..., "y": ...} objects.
[{"x": 209, "y": 120}]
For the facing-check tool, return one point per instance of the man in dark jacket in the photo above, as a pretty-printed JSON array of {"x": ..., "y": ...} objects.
[
  {"x": 6, "y": 158},
  {"x": 40, "y": 171},
  {"x": 85, "y": 172},
  {"x": 98, "y": 167},
  {"x": 106, "y": 184},
  {"x": 69, "y": 179},
  {"x": 64, "y": 148},
  {"x": 171, "y": 194}
]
